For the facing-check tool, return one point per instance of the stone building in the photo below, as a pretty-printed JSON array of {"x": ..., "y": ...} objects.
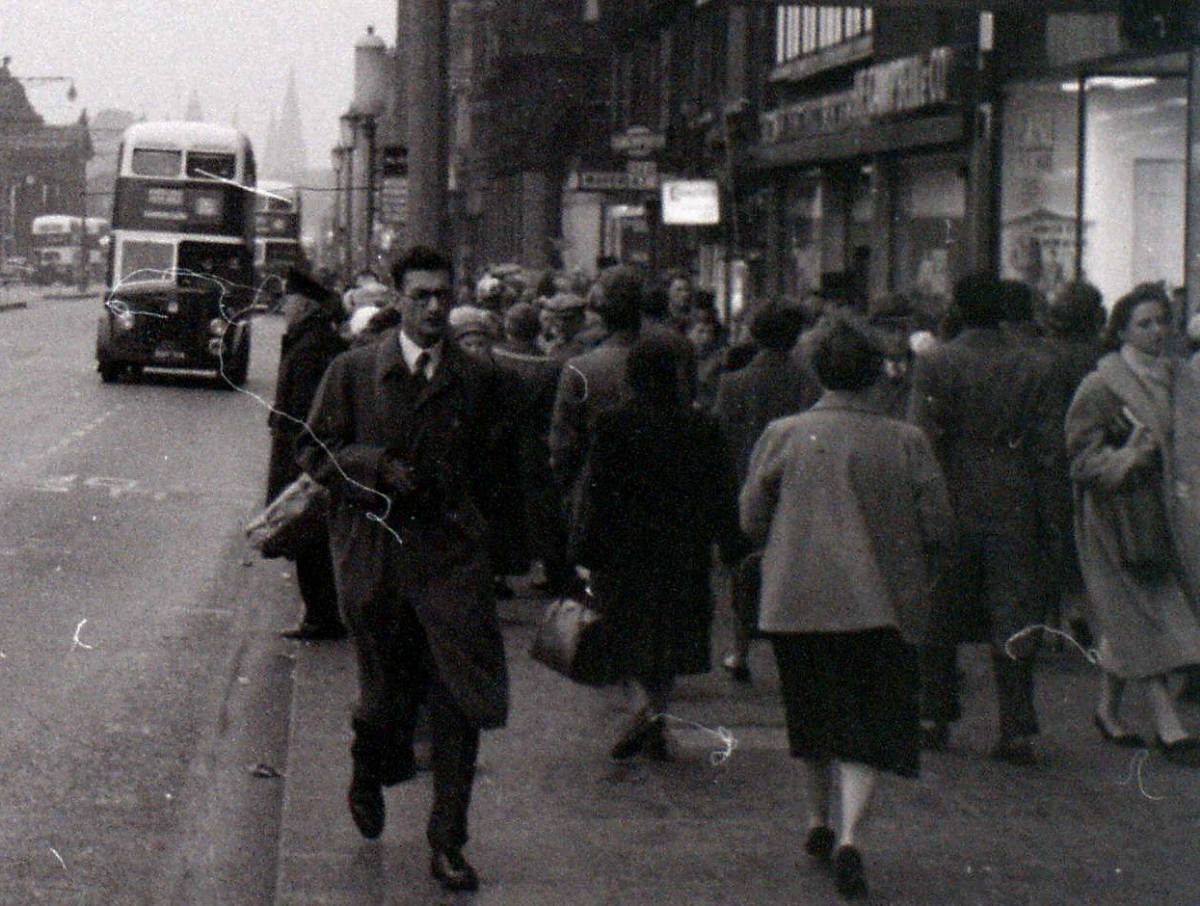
[{"x": 42, "y": 167}]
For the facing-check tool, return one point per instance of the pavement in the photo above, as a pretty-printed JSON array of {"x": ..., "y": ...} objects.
[{"x": 555, "y": 823}]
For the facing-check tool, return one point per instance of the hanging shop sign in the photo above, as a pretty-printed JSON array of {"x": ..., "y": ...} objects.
[
  {"x": 638, "y": 141},
  {"x": 884, "y": 90},
  {"x": 691, "y": 202},
  {"x": 638, "y": 176}
]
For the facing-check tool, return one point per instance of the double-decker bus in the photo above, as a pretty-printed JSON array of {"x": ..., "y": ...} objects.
[
  {"x": 277, "y": 246},
  {"x": 181, "y": 253},
  {"x": 55, "y": 247}
]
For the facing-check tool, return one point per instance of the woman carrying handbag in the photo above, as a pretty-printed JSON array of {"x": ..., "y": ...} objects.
[{"x": 1120, "y": 437}]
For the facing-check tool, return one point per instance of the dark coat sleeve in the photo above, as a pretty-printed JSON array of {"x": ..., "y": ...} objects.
[{"x": 327, "y": 451}]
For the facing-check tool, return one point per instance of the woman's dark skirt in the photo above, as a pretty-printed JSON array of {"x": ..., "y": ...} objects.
[{"x": 851, "y": 696}]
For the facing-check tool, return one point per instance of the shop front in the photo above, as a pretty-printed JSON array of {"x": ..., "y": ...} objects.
[
  {"x": 868, "y": 186},
  {"x": 1094, "y": 176}
]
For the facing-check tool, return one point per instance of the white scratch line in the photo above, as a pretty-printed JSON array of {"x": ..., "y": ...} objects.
[
  {"x": 728, "y": 740},
  {"x": 1091, "y": 655},
  {"x": 1136, "y": 767},
  {"x": 61, "y": 861},
  {"x": 76, "y": 642}
]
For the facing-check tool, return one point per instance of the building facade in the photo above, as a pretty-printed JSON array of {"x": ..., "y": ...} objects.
[{"x": 42, "y": 167}]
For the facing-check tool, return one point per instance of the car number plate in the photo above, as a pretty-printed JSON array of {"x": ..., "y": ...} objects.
[{"x": 165, "y": 353}]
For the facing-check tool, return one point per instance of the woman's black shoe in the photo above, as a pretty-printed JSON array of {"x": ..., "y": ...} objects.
[
  {"x": 1124, "y": 739},
  {"x": 819, "y": 843},
  {"x": 453, "y": 870},
  {"x": 848, "y": 873},
  {"x": 1184, "y": 752}
]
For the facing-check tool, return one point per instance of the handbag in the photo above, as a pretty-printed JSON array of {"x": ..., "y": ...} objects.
[
  {"x": 1138, "y": 512},
  {"x": 1139, "y": 517},
  {"x": 572, "y": 640},
  {"x": 292, "y": 522}
]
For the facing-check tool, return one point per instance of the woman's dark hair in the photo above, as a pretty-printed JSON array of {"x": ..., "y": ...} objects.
[
  {"x": 419, "y": 258},
  {"x": 776, "y": 327},
  {"x": 1122, "y": 310},
  {"x": 652, "y": 372},
  {"x": 845, "y": 356},
  {"x": 980, "y": 301}
]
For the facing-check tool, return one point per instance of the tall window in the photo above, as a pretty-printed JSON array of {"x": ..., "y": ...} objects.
[{"x": 802, "y": 30}]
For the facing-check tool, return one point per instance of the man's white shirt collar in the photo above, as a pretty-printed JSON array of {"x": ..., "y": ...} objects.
[{"x": 411, "y": 350}]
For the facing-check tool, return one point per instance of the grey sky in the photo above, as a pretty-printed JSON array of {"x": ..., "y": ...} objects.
[{"x": 146, "y": 56}]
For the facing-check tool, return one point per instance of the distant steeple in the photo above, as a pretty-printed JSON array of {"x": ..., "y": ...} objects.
[
  {"x": 194, "y": 114},
  {"x": 291, "y": 158}
]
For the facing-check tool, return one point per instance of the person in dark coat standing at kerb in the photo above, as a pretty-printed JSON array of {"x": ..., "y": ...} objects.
[
  {"x": 986, "y": 401},
  {"x": 404, "y": 433},
  {"x": 310, "y": 342},
  {"x": 657, "y": 492}
]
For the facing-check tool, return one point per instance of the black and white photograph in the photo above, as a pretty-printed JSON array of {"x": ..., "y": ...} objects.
[{"x": 599, "y": 453}]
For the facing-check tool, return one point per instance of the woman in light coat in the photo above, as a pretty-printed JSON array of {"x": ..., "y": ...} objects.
[
  {"x": 854, "y": 510},
  {"x": 1121, "y": 440}
]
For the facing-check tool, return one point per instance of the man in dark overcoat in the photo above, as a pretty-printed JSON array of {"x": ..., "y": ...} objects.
[
  {"x": 985, "y": 400},
  {"x": 771, "y": 385},
  {"x": 403, "y": 433},
  {"x": 310, "y": 342}
]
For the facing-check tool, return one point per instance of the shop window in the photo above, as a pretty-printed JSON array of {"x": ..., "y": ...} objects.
[
  {"x": 932, "y": 197},
  {"x": 1132, "y": 186},
  {"x": 1039, "y": 223},
  {"x": 801, "y": 30},
  {"x": 1133, "y": 182},
  {"x": 803, "y": 218}
]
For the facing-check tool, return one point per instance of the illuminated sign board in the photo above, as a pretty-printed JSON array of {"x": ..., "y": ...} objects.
[
  {"x": 691, "y": 202},
  {"x": 176, "y": 207}
]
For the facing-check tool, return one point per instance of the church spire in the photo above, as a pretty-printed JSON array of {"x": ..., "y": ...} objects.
[{"x": 291, "y": 159}]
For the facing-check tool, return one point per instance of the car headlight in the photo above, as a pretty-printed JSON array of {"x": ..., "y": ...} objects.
[
  {"x": 218, "y": 326},
  {"x": 125, "y": 320}
]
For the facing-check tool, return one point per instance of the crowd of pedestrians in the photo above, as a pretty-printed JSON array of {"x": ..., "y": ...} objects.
[{"x": 881, "y": 488}]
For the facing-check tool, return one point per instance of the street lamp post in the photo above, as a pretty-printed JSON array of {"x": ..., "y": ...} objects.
[
  {"x": 348, "y": 135},
  {"x": 341, "y": 210}
]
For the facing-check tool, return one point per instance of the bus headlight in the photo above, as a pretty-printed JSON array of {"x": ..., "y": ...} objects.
[{"x": 218, "y": 326}]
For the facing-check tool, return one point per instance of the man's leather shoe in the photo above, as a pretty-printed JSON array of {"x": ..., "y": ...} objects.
[
  {"x": 313, "y": 632},
  {"x": 634, "y": 737},
  {"x": 453, "y": 870},
  {"x": 366, "y": 805},
  {"x": 1017, "y": 751},
  {"x": 934, "y": 735}
]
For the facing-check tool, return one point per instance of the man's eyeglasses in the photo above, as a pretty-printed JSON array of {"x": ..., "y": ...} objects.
[{"x": 425, "y": 295}]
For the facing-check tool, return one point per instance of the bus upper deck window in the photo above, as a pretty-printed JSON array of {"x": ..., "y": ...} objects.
[
  {"x": 149, "y": 162},
  {"x": 203, "y": 164}
]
